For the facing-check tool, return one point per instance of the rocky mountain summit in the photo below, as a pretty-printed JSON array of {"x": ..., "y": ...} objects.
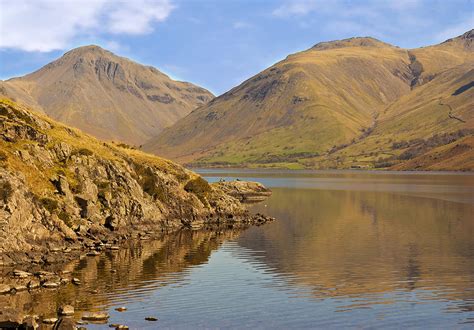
[
  {"x": 105, "y": 95},
  {"x": 61, "y": 190}
]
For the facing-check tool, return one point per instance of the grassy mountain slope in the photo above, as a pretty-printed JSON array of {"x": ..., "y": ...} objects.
[
  {"x": 330, "y": 106},
  {"x": 107, "y": 96}
]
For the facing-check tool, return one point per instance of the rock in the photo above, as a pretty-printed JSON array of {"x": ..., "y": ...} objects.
[
  {"x": 21, "y": 274},
  {"x": 95, "y": 316},
  {"x": 33, "y": 284},
  {"x": 121, "y": 309},
  {"x": 66, "y": 310},
  {"x": 121, "y": 326},
  {"x": 113, "y": 247},
  {"x": 50, "y": 320},
  {"x": 92, "y": 253},
  {"x": 19, "y": 288},
  {"x": 50, "y": 285},
  {"x": 4, "y": 289},
  {"x": 245, "y": 191},
  {"x": 10, "y": 318},
  {"x": 111, "y": 222},
  {"x": 65, "y": 323},
  {"x": 30, "y": 322},
  {"x": 76, "y": 281},
  {"x": 151, "y": 318}
]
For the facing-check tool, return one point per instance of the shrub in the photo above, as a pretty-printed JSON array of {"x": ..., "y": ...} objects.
[
  {"x": 198, "y": 187},
  {"x": 66, "y": 218},
  {"x": 6, "y": 191},
  {"x": 83, "y": 152},
  {"x": 50, "y": 204},
  {"x": 3, "y": 156}
]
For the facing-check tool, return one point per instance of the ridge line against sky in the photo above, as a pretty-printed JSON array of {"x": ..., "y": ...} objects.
[{"x": 215, "y": 44}]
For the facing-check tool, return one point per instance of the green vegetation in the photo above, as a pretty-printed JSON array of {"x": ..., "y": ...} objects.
[
  {"x": 6, "y": 191},
  {"x": 199, "y": 187},
  {"x": 50, "y": 204}
]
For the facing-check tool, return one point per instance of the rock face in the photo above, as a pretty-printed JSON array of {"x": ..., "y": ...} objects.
[
  {"x": 59, "y": 187},
  {"x": 106, "y": 95},
  {"x": 245, "y": 191}
]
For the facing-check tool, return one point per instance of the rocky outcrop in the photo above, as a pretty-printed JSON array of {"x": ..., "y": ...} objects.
[
  {"x": 244, "y": 191},
  {"x": 61, "y": 188}
]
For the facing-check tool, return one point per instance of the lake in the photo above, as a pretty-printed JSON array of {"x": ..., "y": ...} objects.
[{"x": 348, "y": 249}]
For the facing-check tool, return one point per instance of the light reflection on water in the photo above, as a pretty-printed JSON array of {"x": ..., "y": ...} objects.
[{"x": 349, "y": 249}]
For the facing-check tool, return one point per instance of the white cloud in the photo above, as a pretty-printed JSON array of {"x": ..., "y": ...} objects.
[
  {"x": 241, "y": 25},
  {"x": 45, "y": 25}
]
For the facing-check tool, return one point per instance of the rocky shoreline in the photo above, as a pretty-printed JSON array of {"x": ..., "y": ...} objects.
[
  {"x": 67, "y": 196},
  {"x": 32, "y": 278}
]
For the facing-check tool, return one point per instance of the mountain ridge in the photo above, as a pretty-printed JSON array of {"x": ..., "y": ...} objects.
[
  {"x": 108, "y": 96},
  {"x": 303, "y": 110}
]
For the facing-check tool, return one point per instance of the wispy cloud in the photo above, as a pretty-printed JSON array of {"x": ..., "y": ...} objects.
[
  {"x": 45, "y": 25},
  {"x": 455, "y": 30},
  {"x": 241, "y": 25}
]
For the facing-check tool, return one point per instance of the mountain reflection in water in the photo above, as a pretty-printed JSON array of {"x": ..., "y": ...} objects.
[{"x": 348, "y": 249}]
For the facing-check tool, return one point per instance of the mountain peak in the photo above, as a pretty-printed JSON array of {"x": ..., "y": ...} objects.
[
  {"x": 351, "y": 42},
  {"x": 465, "y": 40},
  {"x": 89, "y": 49}
]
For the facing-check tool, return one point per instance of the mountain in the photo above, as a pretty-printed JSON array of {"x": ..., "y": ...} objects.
[
  {"x": 110, "y": 97},
  {"x": 339, "y": 104},
  {"x": 61, "y": 187}
]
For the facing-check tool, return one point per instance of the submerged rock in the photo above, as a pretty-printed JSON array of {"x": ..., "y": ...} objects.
[{"x": 95, "y": 316}]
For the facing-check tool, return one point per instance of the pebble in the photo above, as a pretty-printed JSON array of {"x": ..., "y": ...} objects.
[
  {"x": 66, "y": 310},
  {"x": 151, "y": 318},
  {"x": 4, "y": 288},
  {"x": 88, "y": 316},
  {"x": 19, "y": 288},
  {"x": 121, "y": 326},
  {"x": 121, "y": 309},
  {"x": 33, "y": 284},
  {"x": 76, "y": 281},
  {"x": 51, "y": 320},
  {"x": 50, "y": 285},
  {"x": 21, "y": 274}
]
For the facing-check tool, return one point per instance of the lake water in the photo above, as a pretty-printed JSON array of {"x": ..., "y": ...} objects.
[{"x": 348, "y": 249}]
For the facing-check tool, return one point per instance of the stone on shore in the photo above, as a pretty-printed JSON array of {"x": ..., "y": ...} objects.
[
  {"x": 4, "y": 288},
  {"x": 95, "y": 316},
  {"x": 245, "y": 191},
  {"x": 66, "y": 310}
]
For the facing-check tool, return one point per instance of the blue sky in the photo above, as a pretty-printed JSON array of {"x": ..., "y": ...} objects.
[{"x": 214, "y": 43}]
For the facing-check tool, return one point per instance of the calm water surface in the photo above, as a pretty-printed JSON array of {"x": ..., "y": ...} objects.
[{"x": 349, "y": 249}]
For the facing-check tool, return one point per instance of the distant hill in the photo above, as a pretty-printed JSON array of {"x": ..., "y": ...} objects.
[
  {"x": 108, "y": 96},
  {"x": 356, "y": 102}
]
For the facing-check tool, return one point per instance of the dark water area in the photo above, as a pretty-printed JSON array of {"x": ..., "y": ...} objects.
[{"x": 348, "y": 249}]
